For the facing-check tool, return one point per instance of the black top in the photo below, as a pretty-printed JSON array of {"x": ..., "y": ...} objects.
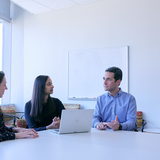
[
  {"x": 47, "y": 118},
  {"x": 5, "y": 132}
]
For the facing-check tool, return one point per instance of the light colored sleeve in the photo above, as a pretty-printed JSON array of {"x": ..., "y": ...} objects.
[
  {"x": 131, "y": 122},
  {"x": 97, "y": 118}
]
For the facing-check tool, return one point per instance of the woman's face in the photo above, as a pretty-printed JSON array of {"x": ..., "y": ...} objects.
[
  {"x": 3, "y": 87},
  {"x": 49, "y": 86}
]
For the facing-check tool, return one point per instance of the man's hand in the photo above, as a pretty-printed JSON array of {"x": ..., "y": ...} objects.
[
  {"x": 101, "y": 126},
  {"x": 114, "y": 125}
]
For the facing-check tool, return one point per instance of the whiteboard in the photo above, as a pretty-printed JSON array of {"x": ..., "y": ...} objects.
[{"x": 86, "y": 69}]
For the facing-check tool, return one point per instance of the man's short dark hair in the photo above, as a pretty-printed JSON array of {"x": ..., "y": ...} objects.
[{"x": 117, "y": 72}]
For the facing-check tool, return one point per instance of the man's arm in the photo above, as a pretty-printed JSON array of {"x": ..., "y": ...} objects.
[
  {"x": 131, "y": 122},
  {"x": 97, "y": 117}
]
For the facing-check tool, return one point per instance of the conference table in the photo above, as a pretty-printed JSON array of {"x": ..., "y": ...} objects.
[{"x": 93, "y": 145}]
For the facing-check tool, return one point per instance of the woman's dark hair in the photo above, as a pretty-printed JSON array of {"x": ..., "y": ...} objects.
[
  {"x": 38, "y": 97},
  {"x": 117, "y": 72},
  {"x": 2, "y": 74}
]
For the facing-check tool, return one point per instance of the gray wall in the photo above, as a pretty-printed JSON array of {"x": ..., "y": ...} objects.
[{"x": 41, "y": 43}]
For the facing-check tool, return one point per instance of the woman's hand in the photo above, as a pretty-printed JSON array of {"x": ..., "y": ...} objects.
[
  {"x": 55, "y": 124},
  {"x": 26, "y": 133},
  {"x": 18, "y": 130}
]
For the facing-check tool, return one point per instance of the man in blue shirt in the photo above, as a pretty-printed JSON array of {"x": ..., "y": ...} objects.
[{"x": 115, "y": 109}]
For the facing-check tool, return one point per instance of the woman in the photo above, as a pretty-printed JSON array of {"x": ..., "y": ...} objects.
[
  {"x": 43, "y": 112},
  {"x": 12, "y": 133}
]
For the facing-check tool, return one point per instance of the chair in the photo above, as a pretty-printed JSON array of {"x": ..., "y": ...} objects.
[
  {"x": 15, "y": 121},
  {"x": 10, "y": 116},
  {"x": 10, "y": 120}
]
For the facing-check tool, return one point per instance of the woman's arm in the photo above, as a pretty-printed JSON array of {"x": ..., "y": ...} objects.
[
  {"x": 30, "y": 121},
  {"x": 6, "y": 136},
  {"x": 56, "y": 121},
  {"x": 25, "y": 133},
  {"x": 5, "y": 132}
]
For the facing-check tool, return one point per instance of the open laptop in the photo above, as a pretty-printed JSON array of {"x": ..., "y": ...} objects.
[{"x": 74, "y": 121}]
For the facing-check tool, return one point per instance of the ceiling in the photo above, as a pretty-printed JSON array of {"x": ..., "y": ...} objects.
[{"x": 39, "y": 6}]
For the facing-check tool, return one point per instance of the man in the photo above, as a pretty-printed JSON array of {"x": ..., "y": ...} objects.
[{"x": 115, "y": 109}]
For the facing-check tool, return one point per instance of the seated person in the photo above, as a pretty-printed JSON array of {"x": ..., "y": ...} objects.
[
  {"x": 43, "y": 112},
  {"x": 115, "y": 109},
  {"x": 12, "y": 133}
]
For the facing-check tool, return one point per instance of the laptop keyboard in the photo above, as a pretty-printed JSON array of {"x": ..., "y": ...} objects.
[{"x": 57, "y": 130}]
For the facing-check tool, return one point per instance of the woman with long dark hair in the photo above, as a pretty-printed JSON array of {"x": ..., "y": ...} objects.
[
  {"x": 43, "y": 112},
  {"x": 11, "y": 133}
]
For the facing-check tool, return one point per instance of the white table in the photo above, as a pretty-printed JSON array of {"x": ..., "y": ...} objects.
[
  {"x": 94, "y": 145},
  {"x": 152, "y": 130}
]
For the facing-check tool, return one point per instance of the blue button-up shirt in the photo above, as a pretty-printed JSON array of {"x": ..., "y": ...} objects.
[{"x": 123, "y": 105}]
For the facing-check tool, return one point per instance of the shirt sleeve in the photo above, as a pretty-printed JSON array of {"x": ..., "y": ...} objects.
[
  {"x": 97, "y": 117},
  {"x": 30, "y": 121},
  {"x": 131, "y": 122},
  {"x": 5, "y": 132}
]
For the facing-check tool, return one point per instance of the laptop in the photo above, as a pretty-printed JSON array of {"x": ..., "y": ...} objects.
[{"x": 75, "y": 121}]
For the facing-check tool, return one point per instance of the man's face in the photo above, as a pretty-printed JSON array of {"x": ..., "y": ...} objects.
[
  {"x": 109, "y": 82},
  {"x": 3, "y": 87},
  {"x": 49, "y": 87}
]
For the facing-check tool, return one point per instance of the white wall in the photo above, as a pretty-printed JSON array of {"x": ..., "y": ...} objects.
[
  {"x": 17, "y": 57},
  {"x": 49, "y": 36}
]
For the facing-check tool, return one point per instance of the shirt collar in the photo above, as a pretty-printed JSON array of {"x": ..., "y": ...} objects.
[{"x": 117, "y": 95}]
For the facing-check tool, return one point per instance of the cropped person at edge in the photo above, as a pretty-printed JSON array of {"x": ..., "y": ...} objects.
[
  {"x": 7, "y": 133},
  {"x": 115, "y": 109}
]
